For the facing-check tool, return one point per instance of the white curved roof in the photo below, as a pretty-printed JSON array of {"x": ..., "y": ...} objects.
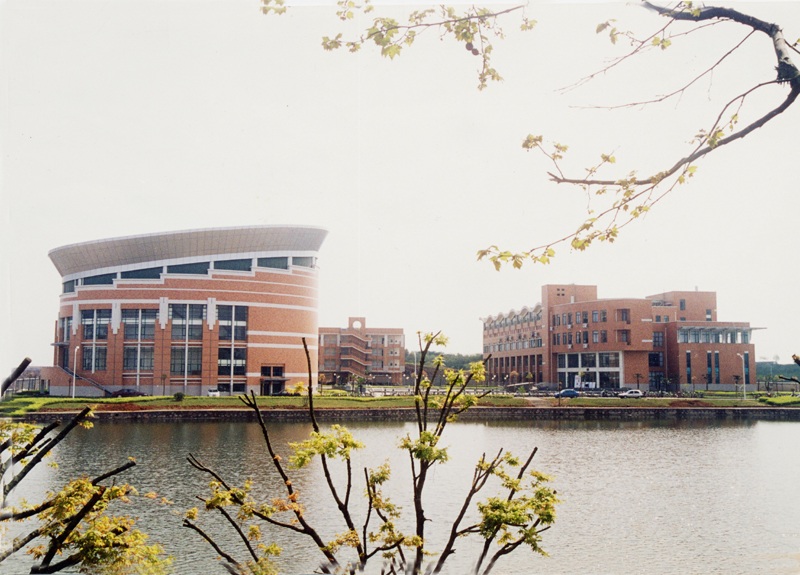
[{"x": 131, "y": 250}]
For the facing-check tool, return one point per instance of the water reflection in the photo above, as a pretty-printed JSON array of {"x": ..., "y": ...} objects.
[{"x": 659, "y": 497}]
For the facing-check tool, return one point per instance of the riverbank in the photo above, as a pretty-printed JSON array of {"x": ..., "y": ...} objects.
[{"x": 517, "y": 414}]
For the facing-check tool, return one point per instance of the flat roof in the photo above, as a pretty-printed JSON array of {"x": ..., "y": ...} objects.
[{"x": 130, "y": 250}]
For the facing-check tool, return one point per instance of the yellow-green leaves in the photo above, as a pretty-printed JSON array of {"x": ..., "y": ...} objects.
[
  {"x": 338, "y": 443},
  {"x": 424, "y": 447}
]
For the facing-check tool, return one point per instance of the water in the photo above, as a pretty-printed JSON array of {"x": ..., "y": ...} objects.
[{"x": 638, "y": 497}]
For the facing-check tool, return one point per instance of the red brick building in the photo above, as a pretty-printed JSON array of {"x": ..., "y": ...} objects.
[
  {"x": 189, "y": 311},
  {"x": 376, "y": 354},
  {"x": 661, "y": 342}
]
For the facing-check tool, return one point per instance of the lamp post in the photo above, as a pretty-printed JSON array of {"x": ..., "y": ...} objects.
[
  {"x": 74, "y": 369},
  {"x": 744, "y": 381}
]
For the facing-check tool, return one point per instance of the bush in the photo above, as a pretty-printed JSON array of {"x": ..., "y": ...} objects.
[{"x": 179, "y": 396}]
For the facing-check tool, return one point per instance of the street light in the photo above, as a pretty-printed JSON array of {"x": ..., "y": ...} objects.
[
  {"x": 74, "y": 369},
  {"x": 744, "y": 382}
]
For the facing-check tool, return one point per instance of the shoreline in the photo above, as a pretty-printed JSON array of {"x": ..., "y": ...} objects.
[{"x": 473, "y": 414}]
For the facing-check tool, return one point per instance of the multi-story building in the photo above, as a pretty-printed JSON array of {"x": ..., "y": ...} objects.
[
  {"x": 188, "y": 311},
  {"x": 376, "y": 354},
  {"x": 660, "y": 342}
]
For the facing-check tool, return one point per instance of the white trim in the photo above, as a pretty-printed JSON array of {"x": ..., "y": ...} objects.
[
  {"x": 279, "y": 346},
  {"x": 281, "y": 334},
  {"x": 202, "y": 301}
]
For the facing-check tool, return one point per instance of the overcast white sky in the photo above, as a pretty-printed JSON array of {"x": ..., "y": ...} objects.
[{"x": 132, "y": 116}]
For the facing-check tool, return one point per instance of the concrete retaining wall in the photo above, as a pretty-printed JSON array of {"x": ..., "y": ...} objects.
[{"x": 474, "y": 414}]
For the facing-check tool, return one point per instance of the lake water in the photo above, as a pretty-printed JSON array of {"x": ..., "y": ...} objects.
[{"x": 638, "y": 497}]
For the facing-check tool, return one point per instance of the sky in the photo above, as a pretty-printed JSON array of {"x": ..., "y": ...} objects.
[{"x": 134, "y": 116}]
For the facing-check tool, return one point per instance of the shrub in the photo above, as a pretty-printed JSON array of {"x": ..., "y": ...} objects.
[{"x": 179, "y": 396}]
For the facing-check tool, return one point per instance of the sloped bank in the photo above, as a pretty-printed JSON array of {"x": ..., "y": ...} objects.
[{"x": 474, "y": 414}]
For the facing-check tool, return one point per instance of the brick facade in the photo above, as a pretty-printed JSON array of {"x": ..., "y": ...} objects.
[
  {"x": 660, "y": 342},
  {"x": 375, "y": 354},
  {"x": 219, "y": 309}
]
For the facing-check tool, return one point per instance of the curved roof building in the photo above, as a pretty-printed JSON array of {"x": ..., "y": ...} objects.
[{"x": 193, "y": 311}]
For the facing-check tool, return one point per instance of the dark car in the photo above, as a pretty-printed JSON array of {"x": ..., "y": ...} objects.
[
  {"x": 568, "y": 393},
  {"x": 128, "y": 392}
]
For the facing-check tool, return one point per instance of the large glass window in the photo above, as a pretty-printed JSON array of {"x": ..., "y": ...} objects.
[
  {"x": 94, "y": 358},
  {"x": 236, "y": 265},
  {"x": 139, "y": 324},
  {"x": 658, "y": 339},
  {"x": 609, "y": 359},
  {"x": 199, "y": 268},
  {"x": 137, "y": 358},
  {"x": 187, "y": 321},
  {"x": 275, "y": 263},
  {"x": 95, "y": 323},
  {"x": 186, "y": 360},
  {"x": 232, "y": 361},
  {"x": 232, "y": 322}
]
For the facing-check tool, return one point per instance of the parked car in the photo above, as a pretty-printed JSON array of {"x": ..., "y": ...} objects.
[
  {"x": 213, "y": 393},
  {"x": 568, "y": 393},
  {"x": 632, "y": 393},
  {"x": 128, "y": 392}
]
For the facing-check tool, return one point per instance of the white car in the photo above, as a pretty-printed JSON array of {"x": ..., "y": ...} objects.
[{"x": 632, "y": 393}]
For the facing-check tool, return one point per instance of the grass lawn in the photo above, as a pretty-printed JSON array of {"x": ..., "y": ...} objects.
[{"x": 21, "y": 405}]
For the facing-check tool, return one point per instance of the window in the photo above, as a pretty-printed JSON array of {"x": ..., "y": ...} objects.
[
  {"x": 656, "y": 359},
  {"x": 186, "y": 360},
  {"x": 68, "y": 287},
  {"x": 585, "y": 317},
  {"x": 94, "y": 358},
  {"x": 187, "y": 321},
  {"x": 608, "y": 359},
  {"x": 603, "y": 336},
  {"x": 572, "y": 360},
  {"x": 304, "y": 261},
  {"x": 143, "y": 274},
  {"x": 243, "y": 265},
  {"x": 595, "y": 316},
  {"x": 625, "y": 315},
  {"x": 708, "y": 315},
  {"x": 658, "y": 319},
  {"x": 658, "y": 339},
  {"x": 65, "y": 328},
  {"x": 275, "y": 263},
  {"x": 104, "y": 279},
  {"x": 272, "y": 371},
  {"x": 682, "y": 304},
  {"x": 137, "y": 358},
  {"x": 95, "y": 323},
  {"x": 231, "y": 361},
  {"x": 139, "y": 324},
  {"x": 588, "y": 360},
  {"x": 746, "y": 361},
  {"x": 232, "y": 322},
  {"x": 624, "y": 336},
  {"x": 198, "y": 268},
  {"x": 595, "y": 337}
]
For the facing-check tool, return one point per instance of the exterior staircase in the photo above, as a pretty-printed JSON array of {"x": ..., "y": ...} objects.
[{"x": 90, "y": 381}]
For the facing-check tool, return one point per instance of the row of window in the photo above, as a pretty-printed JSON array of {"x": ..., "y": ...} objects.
[
  {"x": 140, "y": 324},
  {"x": 527, "y": 317},
  {"x": 196, "y": 268},
  {"x": 582, "y": 317},
  {"x": 514, "y": 345},
  {"x": 588, "y": 360},
  {"x": 713, "y": 336},
  {"x": 184, "y": 360}
]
